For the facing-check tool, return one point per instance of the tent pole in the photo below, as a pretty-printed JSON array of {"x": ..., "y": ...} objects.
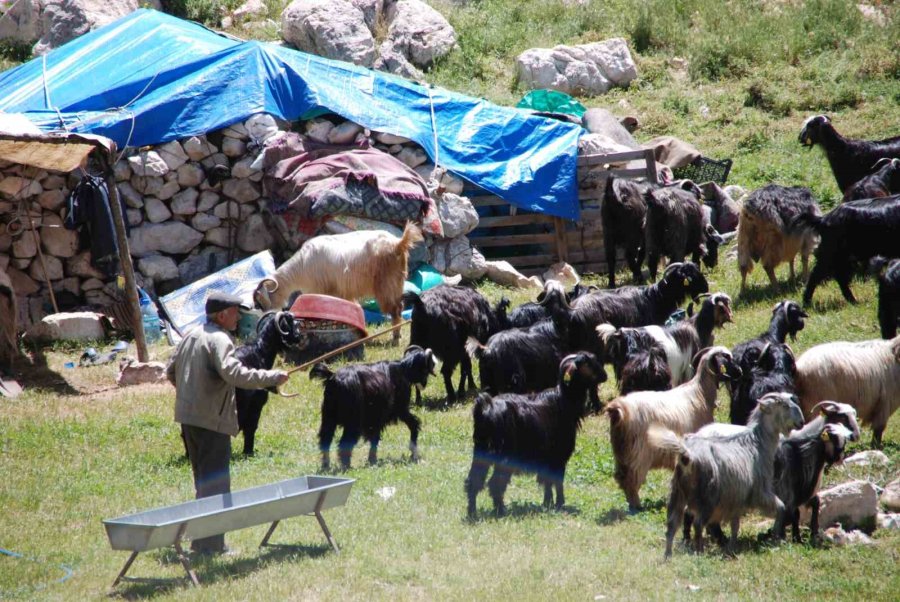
[{"x": 125, "y": 258}]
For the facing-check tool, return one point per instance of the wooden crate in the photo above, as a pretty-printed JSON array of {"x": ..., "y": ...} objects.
[{"x": 532, "y": 241}]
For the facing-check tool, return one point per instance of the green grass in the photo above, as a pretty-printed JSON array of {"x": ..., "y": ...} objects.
[{"x": 71, "y": 460}]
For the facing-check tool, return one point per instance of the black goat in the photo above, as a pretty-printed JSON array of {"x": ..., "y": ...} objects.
[
  {"x": 533, "y": 312},
  {"x": 531, "y": 433},
  {"x": 772, "y": 370},
  {"x": 365, "y": 398},
  {"x": 623, "y": 215},
  {"x": 854, "y": 231},
  {"x": 889, "y": 300},
  {"x": 633, "y": 305},
  {"x": 646, "y": 370},
  {"x": 787, "y": 320},
  {"x": 850, "y": 160},
  {"x": 443, "y": 318},
  {"x": 274, "y": 334},
  {"x": 883, "y": 181}
]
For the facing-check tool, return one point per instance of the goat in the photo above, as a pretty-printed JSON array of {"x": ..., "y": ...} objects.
[
  {"x": 623, "y": 216},
  {"x": 9, "y": 311},
  {"x": 443, "y": 318},
  {"x": 365, "y": 398},
  {"x": 683, "y": 409},
  {"x": 634, "y": 305},
  {"x": 850, "y": 160},
  {"x": 646, "y": 370},
  {"x": 773, "y": 369},
  {"x": 884, "y": 180},
  {"x": 889, "y": 299},
  {"x": 533, "y": 312},
  {"x": 534, "y": 433},
  {"x": 718, "y": 479},
  {"x": 766, "y": 232},
  {"x": 274, "y": 334},
  {"x": 854, "y": 231},
  {"x": 865, "y": 375},
  {"x": 676, "y": 225},
  {"x": 366, "y": 263}
]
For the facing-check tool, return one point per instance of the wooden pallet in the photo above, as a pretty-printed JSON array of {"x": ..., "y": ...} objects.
[{"x": 531, "y": 242}]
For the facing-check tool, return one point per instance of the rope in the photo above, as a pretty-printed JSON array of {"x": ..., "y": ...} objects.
[
  {"x": 68, "y": 572},
  {"x": 437, "y": 152}
]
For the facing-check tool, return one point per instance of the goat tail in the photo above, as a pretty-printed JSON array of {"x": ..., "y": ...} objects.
[
  {"x": 474, "y": 348},
  {"x": 412, "y": 235},
  {"x": 665, "y": 440},
  {"x": 806, "y": 221},
  {"x": 616, "y": 412},
  {"x": 321, "y": 371}
]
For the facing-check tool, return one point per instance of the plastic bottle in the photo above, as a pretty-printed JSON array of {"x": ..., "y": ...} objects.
[{"x": 149, "y": 318}]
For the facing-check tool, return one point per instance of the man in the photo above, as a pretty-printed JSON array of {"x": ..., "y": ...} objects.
[{"x": 205, "y": 373}]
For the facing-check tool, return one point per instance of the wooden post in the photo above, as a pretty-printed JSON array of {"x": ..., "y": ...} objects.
[
  {"x": 125, "y": 257},
  {"x": 562, "y": 242},
  {"x": 651, "y": 165}
]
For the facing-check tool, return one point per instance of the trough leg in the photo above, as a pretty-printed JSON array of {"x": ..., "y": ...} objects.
[
  {"x": 271, "y": 530},
  {"x": 321, "y": 519},
  {"x": 183, "y": 557},
  {"x": 125, "y": 568}
]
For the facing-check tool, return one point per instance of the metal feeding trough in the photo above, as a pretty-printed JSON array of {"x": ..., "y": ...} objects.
[{"x": 218, "y": 514}]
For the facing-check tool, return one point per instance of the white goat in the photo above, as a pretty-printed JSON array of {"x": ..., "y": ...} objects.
[
  {"x": 683, "y": 409},
  {"x": 865, "y": 375},
  {"x": 718, "y": 479},
  {"x": 367, "y": 263}
]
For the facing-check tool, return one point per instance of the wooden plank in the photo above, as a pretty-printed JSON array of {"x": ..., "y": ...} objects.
[
  {"x": 562, "y": 245},
  {"x": 526, "y": 260},
  {"x": 613, "y": 157},
  {"x": 512, "y": 240},
  {"x": 488, "y": 201},
  {"x": 514, "y": 220}
]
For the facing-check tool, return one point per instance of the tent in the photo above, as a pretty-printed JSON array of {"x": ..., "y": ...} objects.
[{"x": 149, "y": 78}]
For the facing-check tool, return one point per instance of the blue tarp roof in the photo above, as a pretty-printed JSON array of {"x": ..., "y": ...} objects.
[{"x": 149, "y": 78}]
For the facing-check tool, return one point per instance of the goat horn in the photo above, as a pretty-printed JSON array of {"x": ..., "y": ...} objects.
[
  {"x": 265, "y": 282},
  {"x": 279, "y": 318},
  {"x": 790, "y": 351},
  {"x": 263, "y": 318},
  {"x": 672, "y": 266},
  {"x": 882, "y": 162},
  {"x": 826, "y": 405}
]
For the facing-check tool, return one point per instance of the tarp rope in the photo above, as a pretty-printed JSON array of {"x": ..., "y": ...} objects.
[{"x": 68, "y": 572}]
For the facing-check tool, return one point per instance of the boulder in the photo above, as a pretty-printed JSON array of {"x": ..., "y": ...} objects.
[
  {"x": 190, "y": 175},
  {"x": 853, "y": 504},
  {"x": 219, "y": 236},
  {"x": 158, "y": 267},
  {"x": 173, "y": 238},
  {"x": 504, "y": 274},
  {"x": 261, "y": 127},
  {"x": 226, "y": 210},
  {"x": 236, "y": 131},
  {"x": 57, "y": 240},
  {"x": 870, "y": 457},
  {"x": 5, "y": 241},
  {"x": 457, "y": 215},
  {"x": 319, "y": 129},
  {"x": 243, "y": 168},
  {"x": 233, "y": 147},
  {"x": 207, "y": 200},
  {"x": 888, "y": 520},
  {"x": 148, "y": 163},
  {"x": 412, "y": 156},
  {"x": 562, "y": 272},
  {"x": 207, "y": 261},
  {"x": 456, "y": 256},
  {"x": 389, "y": 139},
  {"x": 80, "y": 265},
  {"x": 204, "y": 221},
  {"x": 64, "y": 20},
  {"x": 4, "y": 262},
  {"x": 199, "y": 148},
  {"x": 371, "y": 10},
  {"x": 15, "y": 187},
  {"x": 52, "y": 200},
  {"x": 92, "y": 284},
  {"x": 185, "y": 202},
  {"x": 23, "y": 284},
  {"x": 149, "y": 185},
  {"x": 890, "y": 497},
  {"x": 22, "y": 22},
  {"x": 243, "y": 191},
  {"x": 249, "y": 10},
  {"x": 836, "y": 536},
  {"x": 391, "y": 60},
  {"x": 588, "y": 69},
  {"x": 132, "y": 372},
  {"x": 54, "y": 268},
  {"x": 344, "y": 133},
  {"x": 169, "y": 189},
  {"x": 253, "y": 235},
  {"x": 156, "y": 210},
  {"x": 334, "y": 29},
  {"x": 132, "y": 197},
  {"x": 121, "y": 171},
  {"x": 419, "y": 32},
  {"x": 173, "y": 154},
  {"x": 71, "y": 326},
  {"x": 134, "y": 217},
  {"x": 24, "y": 246},
  {"x": 71, "y": 285}
]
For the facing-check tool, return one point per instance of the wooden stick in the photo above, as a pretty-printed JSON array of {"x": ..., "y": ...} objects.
[
  {"x": 40, "y": 254},
  {"x": 340, "y": 350}
]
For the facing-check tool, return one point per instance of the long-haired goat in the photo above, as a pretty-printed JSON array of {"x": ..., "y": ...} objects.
[
  {"x": 532, "y": 312},
  {"x": 365, "y": 398},
  {"x": 889, "y": 300},
  {"x": 865, "y": 375},
  {"x": 683, "y": 409},
  {"x": 443, "y": 318},
  {"x": 9, "y": 347},
  {"x": 850, "y": 160},
  {"x": 275, "y": 332},
  {"x": 766, "y": 233},
  {"x": 883, "y": 181},
  {"x": 718, "y": 479},
  {"x": 623, "y": 215},
  {"x": 771, "y": 370},
  {"x": 366, "y": 263},
  {"x": 531, "y": 433},
  {"x": 646, "y": 370},
  {"x": 854, "y": 231}
]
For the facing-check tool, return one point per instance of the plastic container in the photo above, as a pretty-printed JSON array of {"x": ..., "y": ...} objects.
[{"x": 149, "y": 318}]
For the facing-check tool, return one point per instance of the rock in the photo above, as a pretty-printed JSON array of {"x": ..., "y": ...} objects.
[
  {"x": 588, "y": 69},
  {"x": 168, "y": 190},
  {"x": 371, "y": 10},
  {"x": 185, "y": 202},
  {"x": 457, "y": 215},
  {"x": 23, "y": 284},
  {"x": 564, "y": 273},
  {"x": 232, "y": 147},
  {"x": 71, "y": 285},
  {"x": 412, "y": 156},
  {"x": 456, "y": 256},
  {"x": 199, "y": 148},
  {"x": 20, "y": 263},
  {"x": 195, "y": 267},
  {"x": 190, "y": 175},
  {"x": 236, "y": 131},
  {"x": 451, "y": 183},
  {"x": 147, "y": 186},
  {"x": 319, "y": 129},
  {"x": 243, "y": 168},
  {"x": 134, "y": 217},
  {"x": 218, "y": 236},
  {"x": 504, "y": 274},
  {"x": 250, "y": 9},
  {"x": 80, "y": 265},
  {"x": 344, "y": 133},
  {"x": 253, "y": 235},
  {"x": 121, "y": 171},
  {"x": 838, "y": 537},
  {"x": 601, "y": 121},
  {"x": 92, "y": 284},
  {"x": 54, "y": 268},
  {"x": 158, "y": 267},
  {"x": 736, "y": 192},
  {"x": 4, "y": 262},
  {"x": 148, "y": 163},
  {"x": 391, "y": 60},
  {"x": 24, "y": 246},
  {"x": 389, "y": 139},
  {"x": 55, "y": 239},
  {"x": 890, "y": 497},
  {"x": 72, "y": 326},
  {"x": 173, "y": 154},
  {"x": 52, "y": 200},
  {"x": 334, "y": 29},
  {"x": 156, "y": 210},
  {"x": 243, "y": 191},
  {"x": 132, "y": 372},
  {"x": 419, "y": 32},
  {"x": 227, "y": 210},
  {"x": 207, "y": 200},
  {"x": 888, "y": 520},
  {"x": 131, "y": 196},
  {"x": 173, "y": 238},
  {"x": 98, "y": 298},
  {"x": 5, "y": 241},
  {"x": 22, "y": 22},
  {"x": 853, "y": 504},
  {"x": 204, "y": 221},
  {"x": 261, "y": 127},
  {"x": 15, "y": 187},
  {"x": 64, "y": 20},
  {"x": 871, "y": 457}
]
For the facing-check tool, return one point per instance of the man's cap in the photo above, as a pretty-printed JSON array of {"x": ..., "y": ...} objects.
[{"x": 217, "y": 301}]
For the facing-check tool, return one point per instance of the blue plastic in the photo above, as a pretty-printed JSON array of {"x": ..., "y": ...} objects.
[
  {"x": 149, "y": 78},
  {"x": 149, "y": 317},
  {"x": 376, "y": 317}
]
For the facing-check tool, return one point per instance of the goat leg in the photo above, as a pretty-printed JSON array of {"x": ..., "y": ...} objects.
[
  {"x": 732, "y": 543},
  {"x": 373, "y": 451},
  {"x": 467, "y": 368},
  {"x": 791, "y": 265},
  {"x": 413, "y": 424},
  {"x": 475, "y": 482},
  {"x": 814, "y": 520},
  {"x": 675, "y": 514},
  {"x": 548, "y": 493},
  {"x": 560, "y": 495},
  {"x": 497, "y": 486},
  {"x": 447, "y": 372},
  {"x": 795, "y": 526},
  {"x": 770, "y": 272}
]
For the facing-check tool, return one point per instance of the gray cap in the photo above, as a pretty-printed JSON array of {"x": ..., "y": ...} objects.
[{"x": 218, "y": 301}]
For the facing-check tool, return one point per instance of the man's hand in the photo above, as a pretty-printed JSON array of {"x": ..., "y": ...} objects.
[{"x": 282, "y": 377}]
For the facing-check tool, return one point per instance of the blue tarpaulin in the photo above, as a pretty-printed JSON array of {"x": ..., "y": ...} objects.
[{"x": 149, "y": 78}]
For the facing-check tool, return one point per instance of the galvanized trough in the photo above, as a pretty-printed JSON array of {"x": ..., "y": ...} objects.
[{"x": 214, "y": 515}]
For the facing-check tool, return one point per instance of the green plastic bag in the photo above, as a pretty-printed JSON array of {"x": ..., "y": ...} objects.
[{"x": 552, "y": 101}]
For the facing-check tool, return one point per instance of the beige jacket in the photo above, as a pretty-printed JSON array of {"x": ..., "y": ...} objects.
[{"x": 205, "y": 373}]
